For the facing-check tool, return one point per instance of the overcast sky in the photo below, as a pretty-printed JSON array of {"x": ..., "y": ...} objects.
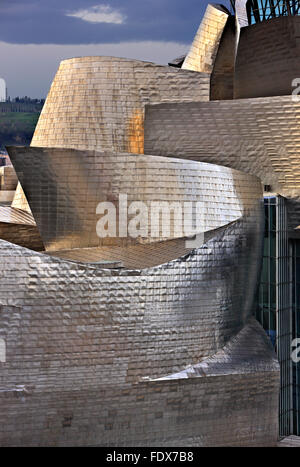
[{"x": 36, "y": 35}]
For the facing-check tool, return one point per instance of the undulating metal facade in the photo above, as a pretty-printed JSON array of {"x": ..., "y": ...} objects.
[{"x": 145, "y": 340}]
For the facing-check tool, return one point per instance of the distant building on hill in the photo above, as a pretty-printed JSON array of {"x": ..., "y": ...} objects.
[{"x": 2, "y": 90}]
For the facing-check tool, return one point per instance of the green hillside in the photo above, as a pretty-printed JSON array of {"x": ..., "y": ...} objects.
[{"x": 17, "y": 128}]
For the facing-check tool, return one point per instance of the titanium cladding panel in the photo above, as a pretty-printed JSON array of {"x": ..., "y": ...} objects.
[
  {"x": 97, "y": 103},
  {"x": 259, "y": 136},
  {"x": 163, "y": 349},
  {"x": 20, "y": 201},
  {"x": 202, "y": 54},
  {"x": 64, "y": 186},
  {"x": 268, "y": 58},
  {"x": 114, "y": 332}
]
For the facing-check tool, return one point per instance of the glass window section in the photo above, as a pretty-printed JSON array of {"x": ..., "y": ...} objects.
[{"x": 275, "y": 307}]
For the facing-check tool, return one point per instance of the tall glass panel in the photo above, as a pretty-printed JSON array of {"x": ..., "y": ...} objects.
[
  {"x": 266, "y": 314},
  {"x": 295, "y": 247},
  {"x": 275, "y": 301}
]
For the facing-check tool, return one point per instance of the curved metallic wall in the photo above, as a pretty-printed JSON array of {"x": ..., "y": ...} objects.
[
  {"x": 63, "y": 188},
  {"x": 203, "y": 51},
  {"x": 20, "y": 201},
  {"x": 222, "y": 75},
  {"x": 76, "y": 330},
  {"x": 97, "y": 103},
  {"x": 135, "y": 344},
  {"x": 268, "y": 58},
  {"x": 174, "y": 297},
  {"x": 17, "y": 226},
  {"x": 8, "y": 178},
  {"x": 241, "y": 12},
  {"x": 258, "y": 136}
]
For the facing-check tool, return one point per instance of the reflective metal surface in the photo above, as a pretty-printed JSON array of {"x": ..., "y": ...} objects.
[
  {"x": 8, "y": 178},
  {"x": 19, "y": 227},
  {"x": 268, "y": 58},
  {"x": 134, "y": 256},
  {"x": 64, "y": 187},
  {"x": 9, "y": 214},
  {"x": 202, "y": 54},
  {"x": 157, "y": 346},
  {"x": 16, "y": 225},
  {"x": 98, "y": 103},
  {"x": 241, "y": 8},
  {"x": 222, "y": 76},
  {"x": 19, "y": 201},
  {"x": 81, "y": 330},
  {"x": 260, "y": 138}
]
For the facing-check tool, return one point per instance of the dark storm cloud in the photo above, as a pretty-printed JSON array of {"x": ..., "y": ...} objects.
[{"x": 47, "y": 21}]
